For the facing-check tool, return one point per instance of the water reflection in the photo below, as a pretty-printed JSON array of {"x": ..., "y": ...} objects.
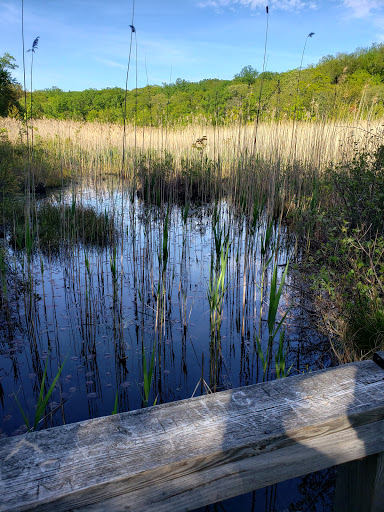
[{"x": 103, "y": 297}]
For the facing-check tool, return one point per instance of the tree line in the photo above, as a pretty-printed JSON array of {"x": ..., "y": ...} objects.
[{"x": 340, "y": 85}]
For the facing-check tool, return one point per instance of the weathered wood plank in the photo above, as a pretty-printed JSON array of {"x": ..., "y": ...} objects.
[
  {"x": 360, "y": 485},
  {"x": 186, "y": 454},
  {"x": 378, "y": 489}
]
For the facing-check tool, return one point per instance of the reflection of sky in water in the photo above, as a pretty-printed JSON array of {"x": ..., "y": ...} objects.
[{"x": 102, "y": 333}]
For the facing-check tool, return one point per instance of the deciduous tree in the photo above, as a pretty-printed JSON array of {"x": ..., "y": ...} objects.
[{"x": 10, "y": 90}]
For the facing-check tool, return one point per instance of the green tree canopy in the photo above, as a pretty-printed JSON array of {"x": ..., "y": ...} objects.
[
  {"x": 335, "y": 87},
  {"x": 247, "y": 75},
  {"x": 10, "y": 90}
]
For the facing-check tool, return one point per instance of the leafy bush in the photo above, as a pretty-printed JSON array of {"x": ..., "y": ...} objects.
[
  {"x": 343, "y": 228},
  {"x": 360, "y": 187}
]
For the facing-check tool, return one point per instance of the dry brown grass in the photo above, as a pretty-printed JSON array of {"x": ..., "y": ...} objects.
[
  {"x": 309, "y": 144},
  {"x": 278, "y": 162}
]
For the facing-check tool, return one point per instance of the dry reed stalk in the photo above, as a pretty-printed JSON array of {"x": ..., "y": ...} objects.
[
  {"x": 317, "y": 143},
  {"x": 288, "y": 158}
]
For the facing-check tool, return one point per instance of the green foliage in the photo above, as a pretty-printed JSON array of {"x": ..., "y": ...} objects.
[
  {"x": 61, "y": 226},
  {"x": 46, "y": 168},
  {"x": 274, "y": 300},
  {"x": 10, "y": 90},
  {"x": 10, "y": 160},
  {"x": 273, "y": 327},
  {"x": 216, "y": 286},
  {"x": 42, "y": 401},
  {"x": 280, "y": 358},
  {"x": 333, "y": 87},
  {"x": 362, "y": 289},
  {"x": 360, "y": 187},
  {"x": 148, "y": 376},
  {"x": 247, "y": 75},
  {"x": 344, "y": 228},
  {"x": 352, "y": 278}
]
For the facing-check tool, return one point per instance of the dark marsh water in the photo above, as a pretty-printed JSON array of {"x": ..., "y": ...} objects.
[{"x": 96, "y": 306}]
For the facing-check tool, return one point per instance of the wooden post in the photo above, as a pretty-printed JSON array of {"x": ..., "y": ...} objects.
[
  {"x": 378, "y": 490},
  {"x": 360, "y": 485}
]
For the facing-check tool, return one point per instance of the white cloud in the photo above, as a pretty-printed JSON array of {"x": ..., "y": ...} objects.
[
  {"x": 363, "y": 8},
  {"x": 111, "y": 63},
  {"x": 208, "y": 3},
  {"x": 285, "y": 5}
]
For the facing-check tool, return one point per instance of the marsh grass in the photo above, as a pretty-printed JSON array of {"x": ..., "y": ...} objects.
[
  {"x": 280, "y": 359},
  {"x": 60, "y": 226},
  {"x": 148, "y": 374},
  {"x": 216, "y": 286},
  {"x": 163, "y": 255},
  {"x": 42, "y": 400},
  {"x": 173, "y": 168},
  {"x": 274, "y": 326},
  {"x": 114, "y": 271}
]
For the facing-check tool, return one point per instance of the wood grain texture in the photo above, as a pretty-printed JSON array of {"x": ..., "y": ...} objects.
[
  {"x": 378, "y": 491},
  {"x": 186, "y": 454},
  {"x": 358, "y": 486}
]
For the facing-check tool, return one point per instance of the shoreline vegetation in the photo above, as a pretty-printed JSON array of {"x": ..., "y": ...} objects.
[
  {"x": 298, "y": 149},
  {"x": 323, "y": 180}
]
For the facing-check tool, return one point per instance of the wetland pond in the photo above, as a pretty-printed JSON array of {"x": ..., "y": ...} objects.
[{"x": 111, "y": 277}]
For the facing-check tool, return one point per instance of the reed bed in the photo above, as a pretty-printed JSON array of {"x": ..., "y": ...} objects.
[
  {"x": 280, "y": 161},
  {"x": 308, "y": 143}
]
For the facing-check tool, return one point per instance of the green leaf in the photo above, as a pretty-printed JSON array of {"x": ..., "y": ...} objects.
[
  {"x": 41, "y": 404},
  {"x": 25, "y": 418},
  {"x": 116, "y": 403}
]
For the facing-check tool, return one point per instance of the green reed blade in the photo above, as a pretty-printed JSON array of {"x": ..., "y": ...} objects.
[
  {"x": 41, "y": 403},
  {"x": 116, "y": 403},
  {"x": 25, "y": 418},
  {"x": 274, "y": 297},
  {"x": 148, "y": 376}
]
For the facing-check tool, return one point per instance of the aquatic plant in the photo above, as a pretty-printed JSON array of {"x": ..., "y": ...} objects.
[
  {"x": 115, "y": 407},
  {"x": 273, "y": 327},
  {"x": 280, "y": 359},
  {"x": 216, "y": 287},
  {"x": 148, "y": 377},
  {"x": 163, "y": 262},
  {"x": 42, "y": 401},
  {"x": 113, "y": 267}
]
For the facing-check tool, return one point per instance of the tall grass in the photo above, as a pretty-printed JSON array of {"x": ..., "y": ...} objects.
[
  {"x": 96, "y": 145},
  {"x": 229, "y": 165},
  {"x": 42, "y": 400},
  {"x": 274, "y": 326}
]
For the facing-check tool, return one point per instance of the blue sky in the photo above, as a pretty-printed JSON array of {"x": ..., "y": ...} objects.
[{"x": 85, "y": 43}]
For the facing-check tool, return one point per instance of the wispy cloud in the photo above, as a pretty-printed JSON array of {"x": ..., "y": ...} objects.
[
  {"x": 10, "y": 13},
  {"x": 111, "y": 63},
  {"x": 284, "y": 5},
  {"x": 379, "y": 26},
  {"x": 363, "y": 8}
]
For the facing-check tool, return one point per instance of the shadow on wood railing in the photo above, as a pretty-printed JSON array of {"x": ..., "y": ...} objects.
[{"x": 187, "y": 454}]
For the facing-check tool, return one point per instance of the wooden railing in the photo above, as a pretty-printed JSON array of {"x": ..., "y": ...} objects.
[{"x": 187, "y": 454}]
